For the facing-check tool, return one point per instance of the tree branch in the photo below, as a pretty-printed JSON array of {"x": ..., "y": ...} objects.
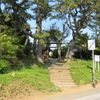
[{"x": 27, "y": 33}]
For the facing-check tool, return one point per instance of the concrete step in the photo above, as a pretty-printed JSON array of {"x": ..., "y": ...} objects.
[
  {"x": 66, "y": 86},
  {"x": 64, "y": 83},
  {"x": 62, "y": 80},
  {"x": 61, "y": 77},
  {"x": 63, "y": 68}
]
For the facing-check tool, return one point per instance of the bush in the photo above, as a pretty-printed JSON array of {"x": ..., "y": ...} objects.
[
  {"x": 63, "y": 52},
  {"x": 2, "y": 65},
  {"x": 55, "y": 53},
  {"x": 86, "y": 54}
]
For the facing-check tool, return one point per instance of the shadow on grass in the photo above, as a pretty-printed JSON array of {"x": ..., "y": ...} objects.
[{"x": 25, "y": 62}]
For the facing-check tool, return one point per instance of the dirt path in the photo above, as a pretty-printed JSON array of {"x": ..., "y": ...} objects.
[{"x": 36, "y": 95}]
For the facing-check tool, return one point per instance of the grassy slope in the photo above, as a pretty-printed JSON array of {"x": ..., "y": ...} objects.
[
  {"x": 80, "y": 72},
  {"x": 34, "y": 76}
]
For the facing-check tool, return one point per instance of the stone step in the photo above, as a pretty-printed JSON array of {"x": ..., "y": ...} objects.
[
  {"x": 60, "y": 79},
  {"x": 56, "y": 73},
  {"x": 59, "y": 73},
  {"x": 61, "y": 68},
  {"x": 66, "y": 73},
  {"x": 60, "y": 76},
  {"x": 63, "y": 80},
  {"x": 66, "y": 86}
]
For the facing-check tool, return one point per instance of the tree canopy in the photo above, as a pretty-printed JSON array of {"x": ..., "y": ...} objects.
[{"x": 15, "y": 31}]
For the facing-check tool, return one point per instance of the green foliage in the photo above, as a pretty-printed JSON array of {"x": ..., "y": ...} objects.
[
  {"x": 12, "y": 38},
  {"x": 81, "y": 42},
  {"x": 7, "y": 52},
  {"x": 84, "y": 54},
  {"x": 55, "y": 34},
  {"x": 6, "y": 42},
  {"x": 44, "y": 10},
  {"x": 55, "y": 53},
  {"x": 2, "y": 64},
  {"x": 81, "y": 47},
  {"x": 63, "y": 52},
  {"x": 43, "y": 35}
]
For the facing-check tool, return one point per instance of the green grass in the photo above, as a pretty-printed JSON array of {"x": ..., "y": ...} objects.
[
  {"x": 81, "y": 74},
  {"x": 34, "y": 76}
]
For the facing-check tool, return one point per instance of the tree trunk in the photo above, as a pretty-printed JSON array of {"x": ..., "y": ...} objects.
[
  {"x": 26, "y": 41},
  {"x": 34, "y": 47},
  {"x": 38, "y": 30},
  {"x": 59, "y": 51},
  {"x": 39, "y": 53},
  {"x": 70, "y": 51}
]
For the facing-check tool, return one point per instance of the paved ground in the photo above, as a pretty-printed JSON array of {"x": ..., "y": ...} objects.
[{"x": 91, "y": 94}]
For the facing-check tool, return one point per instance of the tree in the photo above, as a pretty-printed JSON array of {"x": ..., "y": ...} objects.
[
  {"x": 58, "y": 37},
  {"x": 95, "y": 28},
  {"x": 20, "y": 15},
  {"x": 14, "y": 16},
  {"x": 81, "y": 44},
  {"x": 77, "y": 15},
  {"x": 41, "y": 11}
]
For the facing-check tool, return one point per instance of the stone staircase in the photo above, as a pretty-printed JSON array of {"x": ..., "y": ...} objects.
[{"x": 60, "y": 75}]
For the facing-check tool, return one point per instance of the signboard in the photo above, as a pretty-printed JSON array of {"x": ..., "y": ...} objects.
[
  {"x": 91, "y": 44},
  {"x": 97, "y": 58}
]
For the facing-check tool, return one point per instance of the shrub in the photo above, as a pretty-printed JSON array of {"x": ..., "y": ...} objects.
[
  {"x": 63, "y": 52},
  {"x": 2, "y": 65}
]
